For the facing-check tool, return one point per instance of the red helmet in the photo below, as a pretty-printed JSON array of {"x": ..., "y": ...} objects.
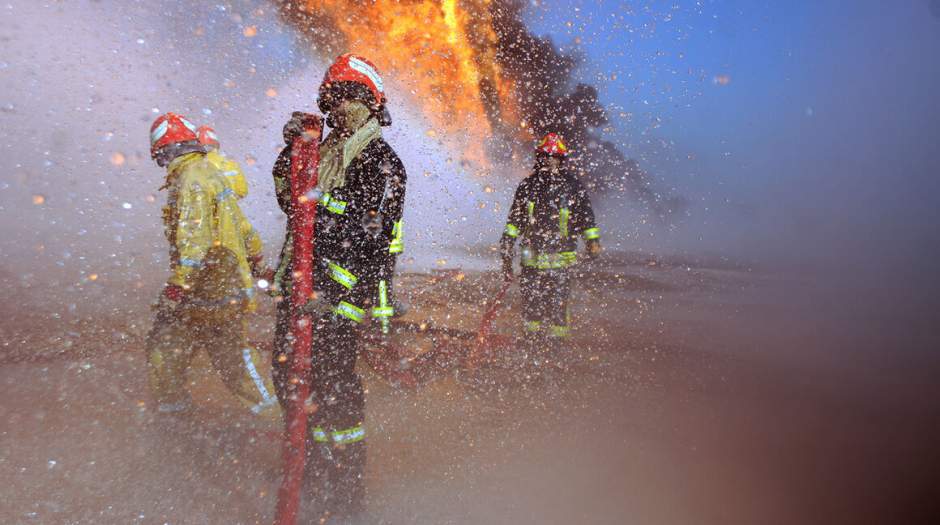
[
  {"x": 171, "y": 129},
  {"x": 552, "y": 144},
  {"x": 355, "y": 77},
  {"x": 207, "y": 137}
]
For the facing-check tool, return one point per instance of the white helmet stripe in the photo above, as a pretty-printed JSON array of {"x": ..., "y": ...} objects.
[
  {"x": 158, "y": 133},
  {"x": 188, "y": 124},
  {"x": 368, "y": 71}
]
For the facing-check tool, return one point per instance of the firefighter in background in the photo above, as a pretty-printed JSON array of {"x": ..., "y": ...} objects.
[
  {"x": 214, "y": 252},
  {"x": 549, "y": 212},
  {"x": 361, "y": 188}
]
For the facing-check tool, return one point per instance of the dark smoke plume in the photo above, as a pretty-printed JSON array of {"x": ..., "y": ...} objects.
[
  {"x": 550, "y": 101},
  {"x": 547, "y": 97}
]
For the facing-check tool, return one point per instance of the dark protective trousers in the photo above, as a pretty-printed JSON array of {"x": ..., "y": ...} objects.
[
  {"x": 545, "y": 296},
  {"x": 336, "y": 449}
]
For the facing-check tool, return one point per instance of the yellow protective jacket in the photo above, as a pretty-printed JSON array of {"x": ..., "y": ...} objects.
[
  {"x": 202, "y": 213},
  {"x": 234, "y": 177}
]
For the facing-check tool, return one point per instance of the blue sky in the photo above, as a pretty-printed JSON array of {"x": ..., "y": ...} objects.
[{"x": 821, "y": 139}]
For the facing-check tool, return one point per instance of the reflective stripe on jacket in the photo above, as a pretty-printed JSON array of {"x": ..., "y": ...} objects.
[{"x": 202, "y": 211}]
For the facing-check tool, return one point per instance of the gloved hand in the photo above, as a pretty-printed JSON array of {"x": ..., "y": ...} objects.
[
  {"x": 265, "y": 279},
  {"x": 295, "y": 126},
  {"x": 316, "y": 307},
  {"x": 170, "y": 299},
  {"x": 257, "y": 266},
  {"x": 507, "y": 270},
  {"x": 372, "y": 224},
  {"x": 268, "y": 274},
  {"x": 594, "y": 249},
  {"x": 173, "y": 293}
]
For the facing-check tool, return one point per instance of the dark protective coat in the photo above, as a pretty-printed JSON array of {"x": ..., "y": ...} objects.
[
  {"x": 375, "y": 182},
  {"x": 548, "y": 214},
  {"x": 354, "y": 229}
]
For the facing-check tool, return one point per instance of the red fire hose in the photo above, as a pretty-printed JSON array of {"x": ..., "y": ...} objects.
[
  {"x": 305, "y": 157},
  {"x": 484, "y": 339}
]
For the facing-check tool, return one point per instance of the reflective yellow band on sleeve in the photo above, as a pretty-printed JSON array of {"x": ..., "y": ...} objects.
[
  {"x": 349, "y": 311},
  {"x": 592, "y": 233},
  {"x": 383, "y": 292},
  {"x": 333, "y": 204},
  {"x": 342, "y": 275},
  {"x": 563, "y": 215},
  {"x": 511, "y": 230},
  {"x": 340, "y": 437},
  {"x": 558, "y": 331},
  {"x": 383, "y": 311}
]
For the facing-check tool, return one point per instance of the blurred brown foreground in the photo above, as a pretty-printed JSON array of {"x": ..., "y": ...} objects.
[{"x": 694, "y": 395}]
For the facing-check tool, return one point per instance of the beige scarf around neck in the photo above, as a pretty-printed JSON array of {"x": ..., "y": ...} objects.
[{"x": 340, "y": 148}]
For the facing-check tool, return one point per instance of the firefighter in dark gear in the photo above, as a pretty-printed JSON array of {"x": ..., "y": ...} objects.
[
  {"x": 214, "y": 254},
  {"x": 549, "y": 212},
  {"x": 361, "y": 190}
]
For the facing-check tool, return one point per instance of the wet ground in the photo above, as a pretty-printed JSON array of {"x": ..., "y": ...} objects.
[{"x": 693, "y": 396}]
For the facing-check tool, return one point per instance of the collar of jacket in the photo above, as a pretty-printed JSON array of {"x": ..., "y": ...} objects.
[{"x": 176, "y": 166}]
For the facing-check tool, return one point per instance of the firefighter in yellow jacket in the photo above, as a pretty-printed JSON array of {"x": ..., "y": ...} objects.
[
  {"x": 214, "y": 254},
  {"x": 234, "y": 177}
]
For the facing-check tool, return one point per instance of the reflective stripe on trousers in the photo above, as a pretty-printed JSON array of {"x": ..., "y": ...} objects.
[
  {"x": 553, "y": 330},
  {"x": 532, "y": 326},
  {"x": 397, "y": 245},
  {"x": 349, "y": 311},
  {"x": 558, "y": 331},
  {"x": 563, "y": 215},
  {"x": 383, "y": 311},
  {"x": 266, "y": 398},
  {"x": 340, "y": 437}
]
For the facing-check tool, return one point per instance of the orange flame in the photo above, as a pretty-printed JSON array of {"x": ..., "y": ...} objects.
[{"x": 443, "y": 53}]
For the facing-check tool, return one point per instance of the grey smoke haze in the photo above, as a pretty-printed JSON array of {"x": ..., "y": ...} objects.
[
  {"x": 549, "y": 98},
  {"x": 847, "y": 182},
  {"x": 82, "y": 82}
]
